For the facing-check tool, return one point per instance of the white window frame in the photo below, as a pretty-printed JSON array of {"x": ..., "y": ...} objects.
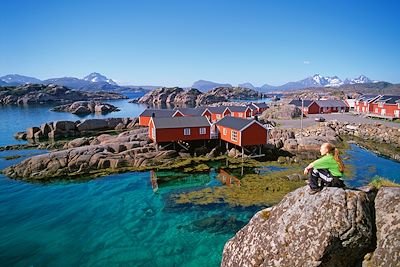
[
  {"x": 241, "y": 114},
  {"x": 376, "y": 110},
  {"x": 186, "y": 131},
  {"x": 218, "y": 116},
  {"x": 225, "y": 131},
  {"x": 234, "y": 136},
  {"x": 153, "y": 133},
  {"x": 202, "y": 130},
  {"x": 380, "y": 104}
]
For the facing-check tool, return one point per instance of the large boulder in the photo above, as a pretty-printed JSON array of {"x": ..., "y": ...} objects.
[
  {"x": 92, "y": 125},
  {"x": 387, "y": 210},
  {"x": 331, "y": 228}
]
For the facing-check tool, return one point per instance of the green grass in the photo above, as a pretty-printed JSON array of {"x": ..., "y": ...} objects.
[{"x": 378, "y": 182}]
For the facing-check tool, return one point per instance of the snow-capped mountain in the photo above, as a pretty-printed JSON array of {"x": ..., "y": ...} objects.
[
  {"x": 316, "y": 80},
  {"x": 16, "y": 79},
  {"x": 96, "y": 77},
  {"x": 359, "y": 79}
]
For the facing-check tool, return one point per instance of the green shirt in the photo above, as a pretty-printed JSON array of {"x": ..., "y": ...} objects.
[{"x": 328, "y": 162}]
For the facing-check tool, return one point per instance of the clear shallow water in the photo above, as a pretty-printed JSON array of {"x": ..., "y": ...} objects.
[
  {"x": 127, "y": 219},
  {"x": 112, "y": 221},
  {"x": 365, "y": 165},
  {"x": 17, "y": 118}
]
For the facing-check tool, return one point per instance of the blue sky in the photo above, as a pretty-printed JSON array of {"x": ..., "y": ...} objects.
[{"x": 178, "y": 42}]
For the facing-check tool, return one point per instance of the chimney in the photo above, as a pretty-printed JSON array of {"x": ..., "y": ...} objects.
[
  {"x": 256, "y": 118},
  {"x": 153, "y": 115}
]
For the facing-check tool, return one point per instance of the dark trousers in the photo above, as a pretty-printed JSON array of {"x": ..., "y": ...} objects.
[{"x": 318, "y": 178}]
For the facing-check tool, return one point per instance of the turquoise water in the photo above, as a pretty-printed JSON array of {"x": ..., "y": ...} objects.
[
  {"x": 17, "y": 118},
  {"x": 128, "y": 219}
]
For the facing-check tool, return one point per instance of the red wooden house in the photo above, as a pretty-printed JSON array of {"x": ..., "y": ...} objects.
[
  {"x": 362, "y": 103},
  {"x": 145, "y": 116},
  {"x": 179, "y": 129},
  {"x": 387, "y": 106},
  {"x": 218, "y": 113},
  {"x": 240, "y": 111},
  {"x": 328, "y": 106},
  {"x": 306, "y": 106},
  {"x": 241, "y": 132},
  {"x": 260, "y": 107}
]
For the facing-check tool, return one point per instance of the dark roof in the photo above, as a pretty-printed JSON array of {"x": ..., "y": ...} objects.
[
  {"x": 330, "y": 103},
  {"x": 192, "y": 111},
  {"x": 180, "y": 122},
  {"x": 367, "y": 97},
  {"x": 219, "y": 110},
  {"x": 237, "y": 108},
  {"x": 262, "y": 105},
  {"x": 234, "y": 122},
  {"x": 389, "y": 99},
  {"x": 251, "y": 107},
  {"x": 162, "y": 113},
  {"x": 297, "y": 102}
]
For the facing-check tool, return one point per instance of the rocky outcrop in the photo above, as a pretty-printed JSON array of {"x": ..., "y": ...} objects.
[
  {"x": 221, "y": 94},
  {"x": 334, "y": 227},
  {"x": 65, "y": 129},
  {"x": 38, "y": 93},
  {"x": 374, "y": 132},
  {"x": 179, "y": 96},
  {"x": 86, "y": 107},
  {"x": 174, "y": 95},
  {"x": 281, "y": 112},
  {"x": 86, "y": 156},
  {"x": 387, "y": 210}
]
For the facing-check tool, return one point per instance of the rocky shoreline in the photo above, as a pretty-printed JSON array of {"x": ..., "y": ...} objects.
[
  {"x": 86, "y": 107},
  {"x": 193, "y": 97},
  {"x": 39, "y": 93},
  {"x": 94, "y": 153},
  {"x": 67, "y": 129}
]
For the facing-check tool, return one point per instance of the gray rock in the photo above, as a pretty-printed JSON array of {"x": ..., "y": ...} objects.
[
  {"x": 30, "y": 132},
  {"x": 331, "y": 228},
  {"x": 387, "y": 209}
]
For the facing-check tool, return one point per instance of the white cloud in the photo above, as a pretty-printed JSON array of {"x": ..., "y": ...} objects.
[{"x": 306, "y": 62}]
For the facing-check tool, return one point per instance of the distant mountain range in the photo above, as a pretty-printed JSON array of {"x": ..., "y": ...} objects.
[
  {"x": 205, "y": 86},
  {"x": 98, "y": 82},
  {"x": 316, "y": 80},
  {"x": 92, "y": 82}
]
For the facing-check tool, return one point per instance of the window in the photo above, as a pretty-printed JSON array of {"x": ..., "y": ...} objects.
[
  {"x": 218, "y": 116},
  {"x": 153, "y": 133},
  {"x": 398, "y": 105},
  {"x": 186, "y": 131},
  {"x": 240, "y": 114},
  {"x": 202, "y": 130},
  {"x": 234, "y": 136},
  {"x": 380, "y": 104},
  {"x": 224, "y": 131},
  {"x": 376, "y": 110}
]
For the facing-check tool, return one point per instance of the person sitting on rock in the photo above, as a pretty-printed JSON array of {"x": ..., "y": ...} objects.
[{"x": 328, "y": 169}]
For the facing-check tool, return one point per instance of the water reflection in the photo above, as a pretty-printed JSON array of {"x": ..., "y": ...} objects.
[{"x": 228, "y": 179}]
